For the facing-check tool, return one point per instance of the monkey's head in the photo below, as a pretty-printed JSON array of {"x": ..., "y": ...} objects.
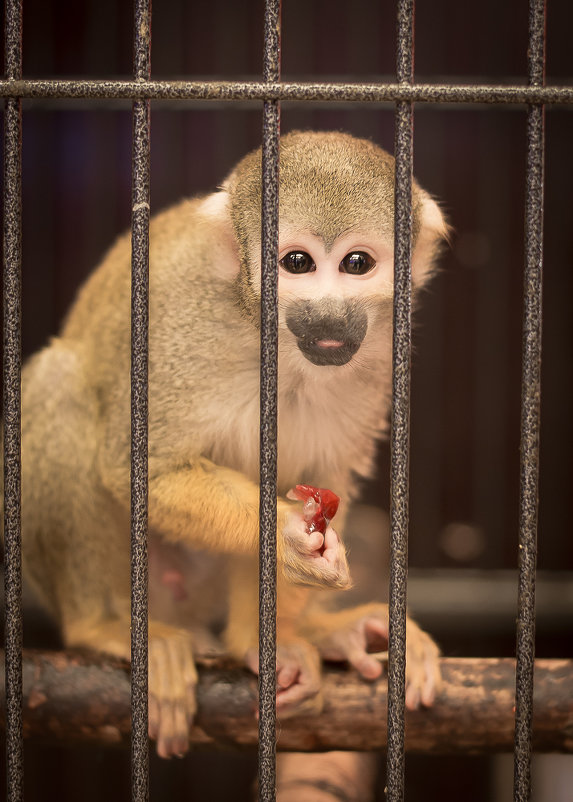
[{"x": 336, "y": 230}]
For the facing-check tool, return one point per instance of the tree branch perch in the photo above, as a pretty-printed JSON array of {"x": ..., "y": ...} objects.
[{"x": 70, "y": 696}]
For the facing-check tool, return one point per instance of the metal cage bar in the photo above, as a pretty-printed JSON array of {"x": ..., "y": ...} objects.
[
  {"x": 299, "y": 91},
  {"x": 12, "y": 405},
  {"x": 268, "y": 413},
  {"x": 530, "y": 411},
  {"x": 139, "y": 409},
  {"x": 400, "y": 425}
]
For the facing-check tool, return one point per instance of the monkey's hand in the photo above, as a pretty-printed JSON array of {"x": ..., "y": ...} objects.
[
  {"x": 172, "y": 683},
  {"x": 358, "y": 634},
  {"x": 298, "y": 677},
  {"x": 314, "y": 558}
]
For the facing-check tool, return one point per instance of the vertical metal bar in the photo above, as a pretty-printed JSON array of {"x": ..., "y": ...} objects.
[
  {"x": 400, "y": 429},
  {"x": 530, "y": 411},
  {"x": 12, "y": 405},
  {"x": 268, "y": 441},
  {"x": 139, "y": 409}
]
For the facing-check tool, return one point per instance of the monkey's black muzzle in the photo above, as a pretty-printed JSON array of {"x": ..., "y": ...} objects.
[{"x": 328, "y": 332}]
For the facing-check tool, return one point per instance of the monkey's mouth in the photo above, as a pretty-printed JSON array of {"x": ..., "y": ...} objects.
[{"x": 326, "y": 351}]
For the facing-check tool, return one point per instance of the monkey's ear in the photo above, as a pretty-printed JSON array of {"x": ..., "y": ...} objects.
[
  {"x": 434, "y": 232},
  {"x": 216, "y": 219}
]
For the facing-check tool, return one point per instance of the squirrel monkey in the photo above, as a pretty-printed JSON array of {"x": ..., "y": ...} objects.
[{"x": 335, "y": 300}]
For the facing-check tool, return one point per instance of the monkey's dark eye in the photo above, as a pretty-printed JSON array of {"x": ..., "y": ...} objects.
[
  {"x": 298, "y": 262},
  {"x": 357, "y": 263}
]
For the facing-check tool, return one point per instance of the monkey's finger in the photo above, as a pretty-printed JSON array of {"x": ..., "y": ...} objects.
[
  {"x": 159, "y": 678},
  {"x": 331, "y": 540},
  {"x": 423, "y": 675},
  {"x": 413, "y": 694},
  {"x": 333, "y": 550},
  {"x": 303, "y": 695},
  {"x": 183, "y": 695},
  {"x": 303, "y": 541},
  {"x": 414, "y": 678},
  {"x": 334, "y": 557},
  {"x": 154, "y": 693},
  {"x": 153, "y": 715},
  {"x": 188, "y": 673},
  {"x": 252, "y": 660},
  {"x": 287, "y": 674},
  {"x": 314, "y": 543},
  {"x": 367, "y": 665},
  {"x": 433, "y": 681},
  {"x": 376, "y": 634},
  {"x": 354, "y": 647}
]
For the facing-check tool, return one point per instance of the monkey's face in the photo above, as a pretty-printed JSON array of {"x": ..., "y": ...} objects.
[
  {"x": 328, "y": 293},
  {"x": 336, "y": 231}
]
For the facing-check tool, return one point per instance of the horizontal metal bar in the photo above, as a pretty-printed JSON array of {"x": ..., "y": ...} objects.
[{"x": 257, "y": 90}]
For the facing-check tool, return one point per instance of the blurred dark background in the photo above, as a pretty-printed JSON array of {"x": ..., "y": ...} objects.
[{"x": 465, "y": 409}]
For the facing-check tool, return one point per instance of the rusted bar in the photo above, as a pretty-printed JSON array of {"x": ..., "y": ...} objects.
[
  {"x": 139, "y": 409},
  {"x": 72, "y": 697},
  {"x": 12, "y": 287},
  {"x": 530, "y": 412},
  {"x": 269, "y": 412},
  {"x": 400, "y": 420},
  {"x": 303, "y": 91}
]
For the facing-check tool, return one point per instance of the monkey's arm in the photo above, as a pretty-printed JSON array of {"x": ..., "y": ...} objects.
[{"x": 207, "y": 505}]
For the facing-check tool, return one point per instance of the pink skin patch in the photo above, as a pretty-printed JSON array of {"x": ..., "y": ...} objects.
[{"x": 175, "y": 581}]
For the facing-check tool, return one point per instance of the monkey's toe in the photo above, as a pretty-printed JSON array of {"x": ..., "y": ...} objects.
[
  {"x": 298, "y": 679},
  {"x": 423, "y": 675}
]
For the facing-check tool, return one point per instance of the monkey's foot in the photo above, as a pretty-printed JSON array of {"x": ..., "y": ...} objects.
[
  {"x": 313, "y": 558},
  {"x": 423, "y": 675},
  {"x": 172, "y": 683},
  {"x": 357, "y": 634},
  {"x": 298, "y": 677}
]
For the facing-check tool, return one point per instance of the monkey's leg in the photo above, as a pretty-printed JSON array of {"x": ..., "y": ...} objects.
[
  {"x": 206, "y": 505},
  {"x": 354, "y": 634},
  {"x": 172, "y": 674},
  {"x": 298, "y": 661},
  {"x": 75, "y": 537}
]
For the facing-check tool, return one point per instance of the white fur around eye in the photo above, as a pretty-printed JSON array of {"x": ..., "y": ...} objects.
[{"x": 327, "y": 278}]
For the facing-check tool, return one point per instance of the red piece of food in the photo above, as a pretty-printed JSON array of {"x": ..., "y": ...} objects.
[{"x": 320, "y": 506}]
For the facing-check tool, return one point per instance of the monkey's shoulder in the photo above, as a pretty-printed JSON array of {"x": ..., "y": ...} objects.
[{"x": 192, "y": 257}]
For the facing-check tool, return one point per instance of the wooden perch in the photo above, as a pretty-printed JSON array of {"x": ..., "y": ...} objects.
[{"x": 78, "y": 697}]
